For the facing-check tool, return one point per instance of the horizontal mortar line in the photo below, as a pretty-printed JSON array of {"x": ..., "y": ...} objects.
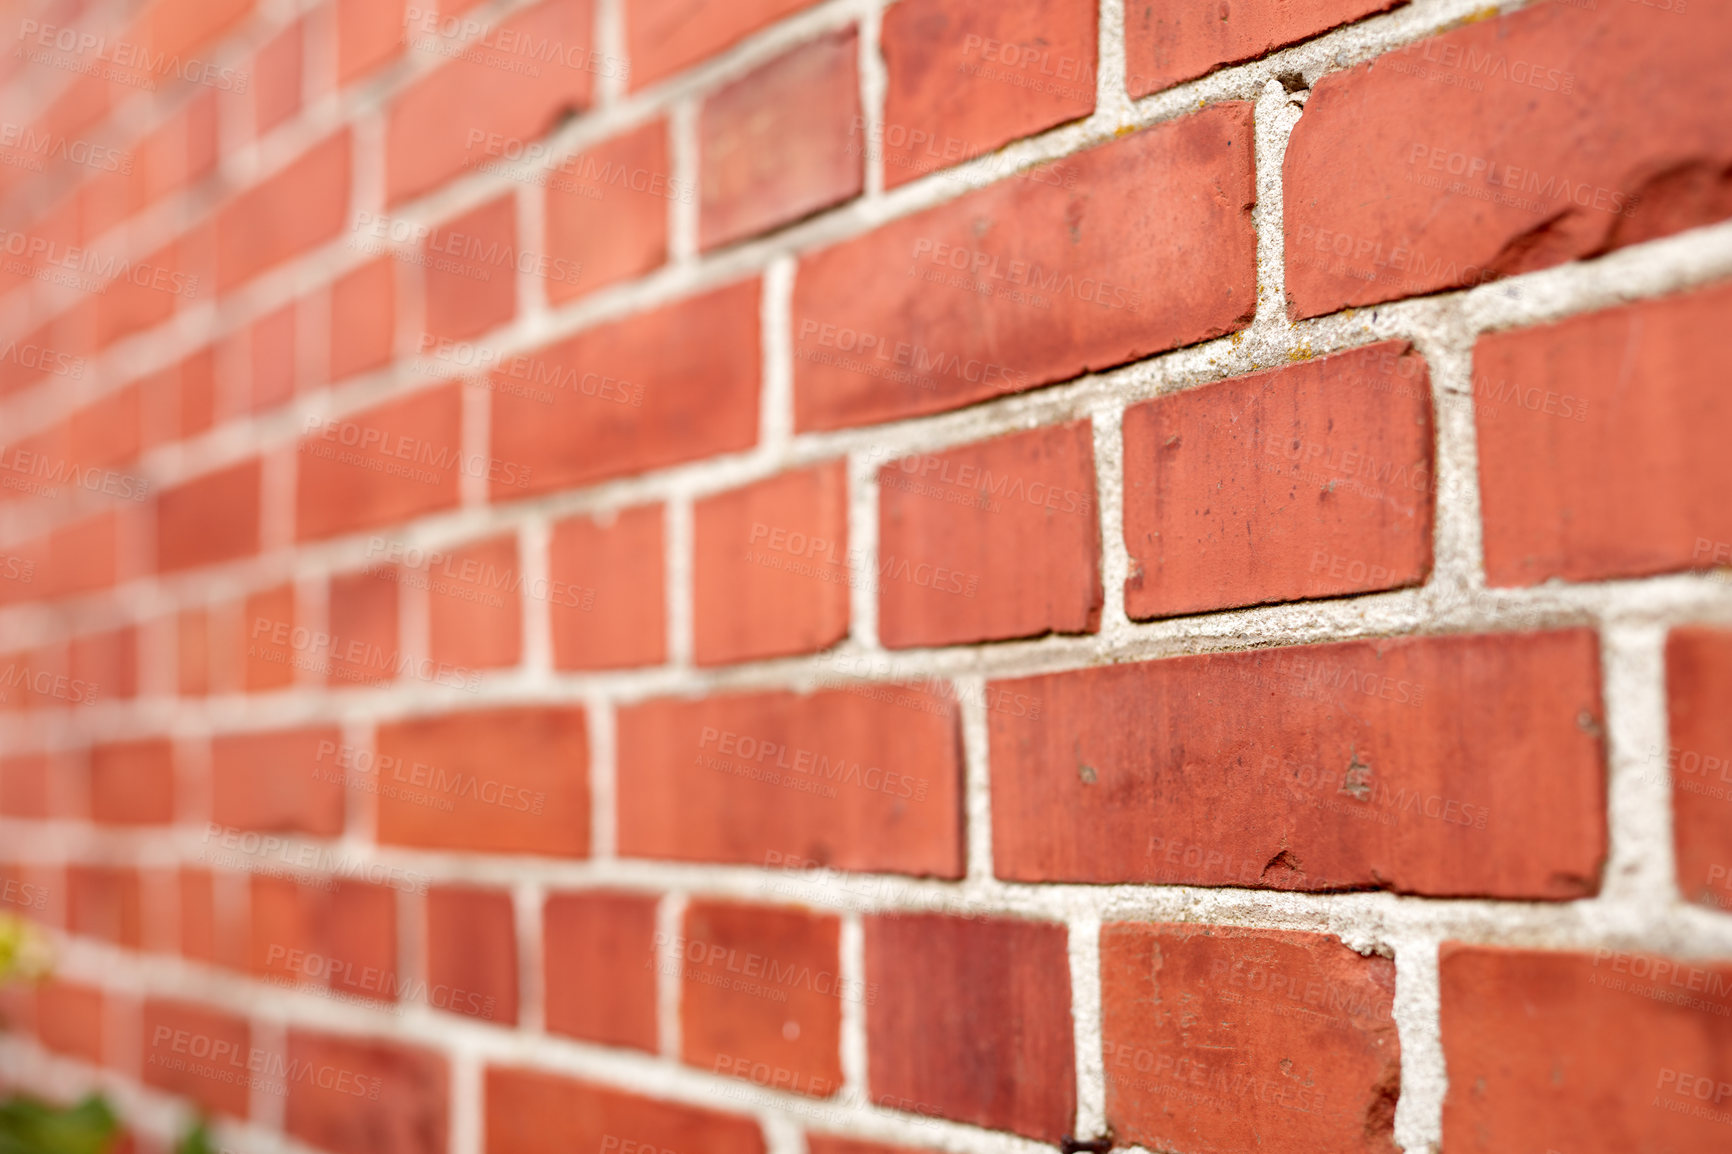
[
  {"x": 1583, "y": 287},
  {"x": 865, "y": 213}
]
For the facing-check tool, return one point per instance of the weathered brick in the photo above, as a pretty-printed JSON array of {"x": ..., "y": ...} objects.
[
  {"x": 971, "y": 1021},
  {"x": 386, "y": 464},
  {"x": 1601, "y": 443},
  {"x": 607, "y": 210},
  {"x": 775, "y": 145},
  {"x": 472, "y": 953},
  {"x": 761, "y": 995},
  {"x": 277, "y": 781},
  {"x": 1309, "y": 481},
  {"x": 601, "y": 941},
  {"x": 517, "y": 80},
  {"x": 1449, "y": 766},
  {"x": 1216, "y": 1037},
  {"x": 990, "y": 541},
  {"x": 609, "y": 594},
  {"x": 1516, "y": 143},
  {"x": 967, "y": 77},
  {"x": 531, "y": 1112},
  {"x": 655, "y": 389},
  {"x": 1595, "y": 1053},
  {"x": 771, "y": 567},
  {"x": 1028, "y": 281},
  {"x": 845, "y": 780},
  {"x": 516, "y": 781},
  {"x": 1699, "y": 755},
  {"x": 1168, "y": 44}
]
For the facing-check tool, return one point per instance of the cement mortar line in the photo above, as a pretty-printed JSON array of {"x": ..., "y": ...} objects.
[
  {"x": 1639, "y": 273},
  {"x": 1247, "y": 81}
]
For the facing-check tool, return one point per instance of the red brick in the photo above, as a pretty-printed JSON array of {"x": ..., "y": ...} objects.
[
  {"x": 607, "y": 210},
  {"x": 198, "y": 1053},
  {"x": 279, "y": 930},
  {"x": 1170, "y": 44},
  {"x": 601, "y": 941},
  {"x": 761, "y": 995},
  {"x": 380, "y": 1097},
  {"x": 665, "y": 36},
  {"x": 297, "y": 208},
  {"x": 1602, "y": 443},
  {"x": 775, "y": 144},
  {"x": 475, "y": 606},
  {"x": 990, "y": 541},
  {"x": 210, "y": 519},
  {"x": 369, "y": 33},
  {"x": 363, "y": 318},
  {"x": 472, "y": 953},
  {"x": 132, "y": 783},
  {"x": 826, "y": 1144},
  {"x": 106, "y": 432},
  {"x": 655, "y": 389},
  {"x": 196, "y": 379},
  {"x": 180, "y": 26},
  {"x": 1313, "y": 768},
  {"x": 530, "y": 1112},
  {"x": 362, "y": 610},
  {"x": 1219, "y": 1038},
  {"x": 499, "y": 84},
  {"x": 107, "y": 662},
  {"x": 470, "y": 263},
  {"x": 69, "y": 1019},
  {"x": 1596, "y": 1053},
  {"x": 517, "y": 780},
  {"x": 192, "y": 652},
  {"x": 272, "y": 352},
  {"x": 271, "y": 651},
  {"x": 355, "y": 926},
  {"x": 609, "y": 600},
  {"x": 1606, "y": 118},
  {"x": 687, "y": 792},
  {"x": 971, "y": 1021},
  {"x": 278, "y": 781},
  {"x": 969, "y": 76},
  {"x": 771, "y": 568},
  {"x": 27, "y": 784},
  {"x": 136, "y": 300},
  {"x": 277, "y": 79},
  {"x": 1309, "y": 481},
  {"x": 1148, "y": 242},
  {"x": 382, "y": 465},
  {"x": 1699, "y": 755},
  {"x": 198, "y": 923}
]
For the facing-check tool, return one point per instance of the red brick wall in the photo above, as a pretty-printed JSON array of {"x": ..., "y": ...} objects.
[{"x": 655, "y": 576}]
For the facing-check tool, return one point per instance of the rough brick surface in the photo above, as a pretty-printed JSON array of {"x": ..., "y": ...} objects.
[
  {"x": 972, "y": 1022},
  {"x": 1600, "y": 443},
  {"x": 1222, "y": 1038},
  {"x": 967, "y": 76},
  {"x": 990, "y": 541},
  {"x": 1167, "y": 44},
  {"x": 1591, "y": 1052},
  {"x": 601, "y": 941},
  {"x": 1516, "y": 143},
  {"x": 666, "y": 386},
  {"x": 1310, "y": 481},
  {"x": 494, "y": 780},
  {"x": 835, "y": 778},
  {"x": 896, "y": 324},
  {"x": 761, "y": 995},
  {"x": 529, "y": 1112},
  {"x": 775, "y": 143},
  {"x": 1412, "y": 765},
  {"x": 1699, "y": 757},
  {"x": 771, "y": 567}
]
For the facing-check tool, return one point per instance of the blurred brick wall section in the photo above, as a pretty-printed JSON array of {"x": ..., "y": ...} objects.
[{"x": 870, "y": 576}]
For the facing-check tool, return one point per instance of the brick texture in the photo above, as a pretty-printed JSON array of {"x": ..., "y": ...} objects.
[
  {"x": 1699, "y": 757},
  {"x": 601, "y": 941},
  {"x": 1169, "y": 44}
]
